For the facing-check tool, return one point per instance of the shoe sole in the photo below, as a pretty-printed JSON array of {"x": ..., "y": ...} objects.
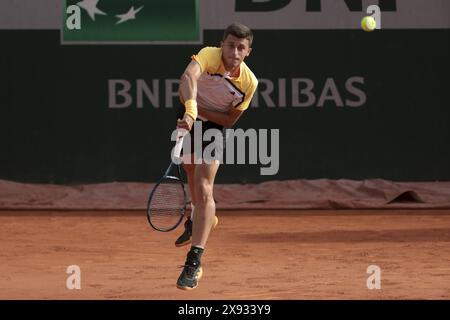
[
  {"x": 216, "y": 222},
  {"x": 200, "y": 274}
]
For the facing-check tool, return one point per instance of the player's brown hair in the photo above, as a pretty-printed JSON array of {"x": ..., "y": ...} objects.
[{"x": 240, "y": 31}]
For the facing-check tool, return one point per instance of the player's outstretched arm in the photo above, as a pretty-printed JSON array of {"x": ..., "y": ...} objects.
[{"x": 188, "y": 93}]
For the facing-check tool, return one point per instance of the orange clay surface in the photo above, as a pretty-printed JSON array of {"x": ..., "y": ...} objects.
[{"x": 250, "y": 255}]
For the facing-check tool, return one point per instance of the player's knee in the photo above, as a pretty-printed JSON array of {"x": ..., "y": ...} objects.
[{"x": 204, "y": 192}]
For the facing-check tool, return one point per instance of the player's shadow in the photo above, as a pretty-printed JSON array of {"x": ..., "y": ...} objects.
[{"x": 352, "y": 236}]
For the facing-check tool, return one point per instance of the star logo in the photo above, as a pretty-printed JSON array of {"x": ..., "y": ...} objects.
[
  {"x": 130, "y": 15},
  {"x": 91, "y": 8}
]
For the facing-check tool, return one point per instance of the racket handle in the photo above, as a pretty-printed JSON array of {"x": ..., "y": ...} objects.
[{"x": 178, "y": 145}]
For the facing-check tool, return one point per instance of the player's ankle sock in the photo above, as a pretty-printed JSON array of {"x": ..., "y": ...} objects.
[{"x": 195, "y": 254}]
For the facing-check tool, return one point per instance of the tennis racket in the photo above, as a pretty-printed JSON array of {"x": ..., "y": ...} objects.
[{"x": 166, "y": 205}]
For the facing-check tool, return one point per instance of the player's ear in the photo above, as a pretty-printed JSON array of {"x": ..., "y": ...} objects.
[
  {"x": 221, "y": 44},
  {"x": 249, "y": 50}
]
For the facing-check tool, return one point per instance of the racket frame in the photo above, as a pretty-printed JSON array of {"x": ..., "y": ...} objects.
[{"x": 175, "y": 156}]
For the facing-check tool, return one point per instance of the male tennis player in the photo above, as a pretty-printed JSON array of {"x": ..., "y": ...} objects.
[{"x": 216, "y": 88}]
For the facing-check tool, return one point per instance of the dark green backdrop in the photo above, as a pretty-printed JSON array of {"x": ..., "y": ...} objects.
[{"x": 56, "y": 127}]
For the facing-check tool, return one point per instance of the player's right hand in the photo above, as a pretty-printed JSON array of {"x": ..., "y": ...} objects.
[{"x": 185, "y": 123}]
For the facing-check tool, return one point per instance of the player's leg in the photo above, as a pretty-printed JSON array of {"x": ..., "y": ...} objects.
[
  {"x": 202, "y": 224},
  {"x": 186, "y": 237},
  {"x": 205, "y": 205}
]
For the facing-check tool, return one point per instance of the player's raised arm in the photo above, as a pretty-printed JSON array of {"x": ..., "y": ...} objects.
[{"x": 188, "y": 93}]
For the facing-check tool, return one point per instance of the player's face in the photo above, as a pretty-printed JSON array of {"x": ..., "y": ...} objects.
[{"x": 234, "y": 50}]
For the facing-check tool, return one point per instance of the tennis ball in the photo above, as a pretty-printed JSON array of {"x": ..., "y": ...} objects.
[{"x": 368, "y": 23}]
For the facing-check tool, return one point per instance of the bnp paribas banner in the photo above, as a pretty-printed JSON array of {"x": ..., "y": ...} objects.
[{"x": 89, "y": 88}]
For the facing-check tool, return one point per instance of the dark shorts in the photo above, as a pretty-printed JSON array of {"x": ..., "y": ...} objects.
[{"x": 198, "y": 132}]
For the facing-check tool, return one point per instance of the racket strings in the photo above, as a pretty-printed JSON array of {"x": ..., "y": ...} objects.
[{"x": 167, "y": 204}]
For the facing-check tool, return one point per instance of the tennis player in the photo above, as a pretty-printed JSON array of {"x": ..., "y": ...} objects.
[{"x": 216, "y": 88}]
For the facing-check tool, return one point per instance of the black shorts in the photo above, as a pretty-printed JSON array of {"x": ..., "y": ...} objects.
[{"x": 218, "y": 146}]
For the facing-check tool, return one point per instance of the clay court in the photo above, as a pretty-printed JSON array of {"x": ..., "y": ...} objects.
[{"x": 303, "y": 254}]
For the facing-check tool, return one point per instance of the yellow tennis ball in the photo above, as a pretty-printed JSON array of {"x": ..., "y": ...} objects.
[{"x": 368, "y": 23}]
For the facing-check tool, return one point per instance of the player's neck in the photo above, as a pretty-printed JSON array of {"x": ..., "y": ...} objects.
[{"x": 234, "y": 72}]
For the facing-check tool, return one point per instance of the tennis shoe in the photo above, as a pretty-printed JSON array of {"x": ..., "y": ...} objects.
[{"x": 191, "y": 274}]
